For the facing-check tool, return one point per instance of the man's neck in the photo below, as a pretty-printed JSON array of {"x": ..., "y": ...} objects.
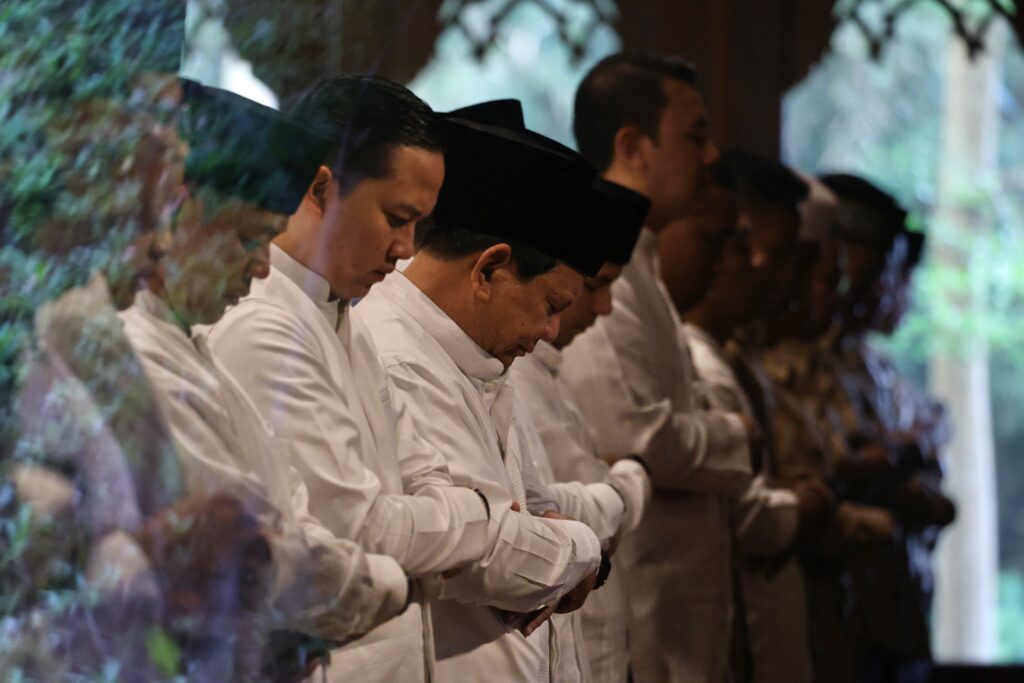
[
  {"x": 155, "y": 286},
  {"x": 306, "y": 247},
  {"x": 620, "y": 176},
  {"x": 441, "y": 282}
]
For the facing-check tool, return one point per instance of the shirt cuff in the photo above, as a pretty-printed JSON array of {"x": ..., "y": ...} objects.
[
  {"x": 768, "y": 520},
  {"x": 631, "y": 481},
  {"x": 390, "y": 587},
  {"x": 586, "y": 546}
]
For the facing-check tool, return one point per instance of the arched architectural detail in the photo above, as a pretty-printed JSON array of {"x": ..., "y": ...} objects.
[{"x": 292, "y": 44}]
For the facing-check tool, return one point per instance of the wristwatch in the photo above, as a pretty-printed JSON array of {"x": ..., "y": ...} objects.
[{"x": 603, "y": 570}]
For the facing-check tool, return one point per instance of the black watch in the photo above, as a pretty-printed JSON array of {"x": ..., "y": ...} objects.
[{"x": 603, "y": 570}]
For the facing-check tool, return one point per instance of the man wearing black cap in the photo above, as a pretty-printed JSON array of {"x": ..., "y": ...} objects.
[
  {"x": 236, "y": 195},
  {"x": 600, "y": 648},
  {"x": 641, "y": 121},
  {"x": 315, "y": 375},
  {"x": 504, "y": 255}
]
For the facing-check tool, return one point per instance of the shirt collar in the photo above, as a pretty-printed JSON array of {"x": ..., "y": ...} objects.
[
  {"x": 704, "y": 337},
  {"x": 155, "y": 307},
  {"x": 548, "y": 355},
  {"x": 646, "y": 245},
  {"x": 314, "y": 286},
  {"x": 472, "y": 360}
]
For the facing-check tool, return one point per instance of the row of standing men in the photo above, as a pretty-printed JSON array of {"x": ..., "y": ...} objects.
[{"x": 395, "y": 386}]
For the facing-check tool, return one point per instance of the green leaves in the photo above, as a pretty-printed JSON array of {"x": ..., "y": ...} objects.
[{"x": 163, "y": 652}]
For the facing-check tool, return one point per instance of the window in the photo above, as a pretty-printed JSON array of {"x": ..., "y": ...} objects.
[
  {"x": 528, "y": 60},
  {"x": 947, "y": 136}
]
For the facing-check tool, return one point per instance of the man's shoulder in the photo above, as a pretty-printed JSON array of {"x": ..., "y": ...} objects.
[
  {"x": 259, "y": 314},
  {"x": 398, "y": 338}
]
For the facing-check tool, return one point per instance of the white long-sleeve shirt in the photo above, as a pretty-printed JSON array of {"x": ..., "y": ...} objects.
[
  {"x": 326, "y": 585},
  {"x": 463, "y": 405},
  {"x": 601, "y": 629},
  {"x": 765, "y": 523},
  {"x": 314, "y": 374},
  {"x": 633, "y": 378}
]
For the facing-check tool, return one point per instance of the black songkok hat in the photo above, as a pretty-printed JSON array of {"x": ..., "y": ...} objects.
[
  {"x": 620, "y": 215},
  {"x": 248, "y": 151},
  {"x": 867, "y": 214},
  {"x": 765, "y": 179},
  {"x": 516, "y": 185}
]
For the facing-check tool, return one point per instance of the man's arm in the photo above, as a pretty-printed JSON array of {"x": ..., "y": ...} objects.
[
  {"x": 275, "y": 358},
  {"x": 699, "y": 451},
  {"x": 533, "y": 561},
  {"x": 322, "y": 584}
]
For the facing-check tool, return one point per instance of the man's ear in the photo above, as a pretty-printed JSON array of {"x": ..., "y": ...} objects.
[
  {"x": 630, "y": 147},
  {"x": 487, "y": 265},
  {"x": 316, "y": 194}
]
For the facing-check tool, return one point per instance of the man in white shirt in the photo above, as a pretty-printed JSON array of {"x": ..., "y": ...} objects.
[
  {"x": 314, "y": 373},
  {"x": 322, "y": 585},
  {"x": 568, "y": 448},
  {"x": 641, "y": 121},
  {"x": 495, "y": 268}
]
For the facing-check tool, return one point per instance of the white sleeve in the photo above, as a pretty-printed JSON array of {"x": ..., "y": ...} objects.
[
  {"x": 597, "y": 505},
  {"x": 631, "y": 481},
  {"x": 532, "y": 561},
  {"x": 697, "y": 451},
  {"x": 345, "y": 591},
  {"x": 765, "y": 520},
  {"x": 280, "y": 365},
  {"x": 322, "y": 584}
]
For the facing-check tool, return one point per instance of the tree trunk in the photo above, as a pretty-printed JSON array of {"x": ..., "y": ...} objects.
[{"x": 967, "y": 573}]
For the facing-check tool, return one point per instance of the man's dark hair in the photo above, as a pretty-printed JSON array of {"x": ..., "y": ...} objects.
[
  {"x": 765, "y": 180},
  {"x": 366, "y": 117},
  {"x": 624, "y": 89},
  {"x": 454, "y": 243}
]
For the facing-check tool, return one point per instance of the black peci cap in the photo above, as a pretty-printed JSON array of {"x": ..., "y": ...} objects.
[
  {"x": 517, "y": 185},
  {"x": 248, "y": 151},
  {"x": 867, "y": 214},
  {"x": 765, "y": 179},
  {"x": 620, "y": 215}
]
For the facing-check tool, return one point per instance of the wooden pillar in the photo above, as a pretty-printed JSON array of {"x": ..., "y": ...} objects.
[{"x": 749, "y": 53}]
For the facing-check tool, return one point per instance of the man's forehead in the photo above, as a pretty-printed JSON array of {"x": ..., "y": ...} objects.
[
  {"x": 416, "y": 175},
  {"x": 562, "y": 280}
]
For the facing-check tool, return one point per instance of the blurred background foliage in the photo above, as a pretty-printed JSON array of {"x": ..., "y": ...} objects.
[{"x": 72, "y": 112}]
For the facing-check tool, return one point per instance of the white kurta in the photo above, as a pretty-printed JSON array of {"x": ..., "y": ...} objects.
[
  {"x": 765, "y": 523},
  {"x": 325, "y": 585},
  {"x": 315, "y": 376},
  {"x": 632, "y": 376},
  {"x": 572, "y": 456},
  {"x": 463, "y": 405}
]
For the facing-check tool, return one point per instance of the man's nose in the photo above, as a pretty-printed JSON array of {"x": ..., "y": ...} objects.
[
  {"x": 402, "y": 247},
  {"x": 551, "y": 329},
  {"x": 603, "y": 302},
  {"x": 259, "y": 266}
]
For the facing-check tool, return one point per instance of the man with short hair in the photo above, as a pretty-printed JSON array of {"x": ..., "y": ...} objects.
[
  {"x": 641, "y": 121},
  {"x": 322, "y": 585},
  {"x": 315, "y": 374},
  {"x": 600, "y": 643},
  {"x": 497, "y": 265}
]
